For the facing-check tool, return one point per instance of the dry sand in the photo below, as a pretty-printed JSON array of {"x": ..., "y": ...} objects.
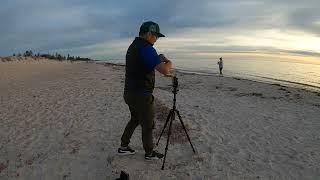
[{"x": 64, "y": 121}]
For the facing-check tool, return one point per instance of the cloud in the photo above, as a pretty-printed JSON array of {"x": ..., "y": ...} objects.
[{"x": 87, "y": 27}]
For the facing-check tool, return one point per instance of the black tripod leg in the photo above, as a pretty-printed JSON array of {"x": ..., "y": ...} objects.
[
  {"x": 164, "y": 127},
  {"x": 185, "y": 130},
  {"x": 169, "y": 133}
]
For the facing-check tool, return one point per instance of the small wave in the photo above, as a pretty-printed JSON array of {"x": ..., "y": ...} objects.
[{"x": 291, "y": 82}]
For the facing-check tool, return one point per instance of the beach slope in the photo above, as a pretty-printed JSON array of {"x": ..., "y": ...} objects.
[{"x": 62, "y": 120}]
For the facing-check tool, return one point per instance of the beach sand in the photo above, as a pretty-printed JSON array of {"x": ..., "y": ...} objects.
[{"x": 62, "y": 120}]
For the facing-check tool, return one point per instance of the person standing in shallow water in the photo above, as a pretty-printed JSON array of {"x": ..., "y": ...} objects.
[
  {"x": 220, "y": 63},
  {"x": 141, "y": 61}
]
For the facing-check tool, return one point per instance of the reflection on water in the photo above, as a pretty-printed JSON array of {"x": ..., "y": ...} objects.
[{"x": 290, "y": 73}]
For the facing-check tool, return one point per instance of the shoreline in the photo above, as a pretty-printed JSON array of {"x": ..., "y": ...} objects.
[
  {"x": 273, "y": 81},
  {"x": 313, "y": 89}
]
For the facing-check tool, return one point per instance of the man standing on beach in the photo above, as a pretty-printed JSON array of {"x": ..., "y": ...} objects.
[
  {"x": 141, "y": 62},
  {"x": 220, "y": 63}
]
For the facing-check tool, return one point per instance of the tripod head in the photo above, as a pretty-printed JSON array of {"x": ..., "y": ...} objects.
[{"x": 175, "y": 84}]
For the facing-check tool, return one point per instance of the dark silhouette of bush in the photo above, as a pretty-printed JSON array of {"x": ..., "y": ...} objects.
[
  {"x": 55, "y": 56},
  {"x": 48, "y": 56},
  {"x": 28, "y": 53}
]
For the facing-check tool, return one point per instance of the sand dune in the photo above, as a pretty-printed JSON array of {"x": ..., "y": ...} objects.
[{"x": 64, "y": 121}]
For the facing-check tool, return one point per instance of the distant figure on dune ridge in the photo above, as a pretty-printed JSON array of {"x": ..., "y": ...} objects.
[
  {"x": 141, "y": 61},
  {"x": 220, "y": 63}
]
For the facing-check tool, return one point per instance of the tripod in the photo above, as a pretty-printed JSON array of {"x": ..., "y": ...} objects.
[{"x": 170, "y": 118}]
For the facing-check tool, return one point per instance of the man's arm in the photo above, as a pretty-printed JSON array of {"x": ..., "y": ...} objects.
[{"x": 165, "y": 66}]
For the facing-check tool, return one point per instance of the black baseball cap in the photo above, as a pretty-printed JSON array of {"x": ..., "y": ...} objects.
[{"x": 150, "y": 26}]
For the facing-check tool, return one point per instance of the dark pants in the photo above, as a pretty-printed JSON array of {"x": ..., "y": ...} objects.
[
  {"x": 142, "y": 113},
  {"x": 220, "y": 70}
]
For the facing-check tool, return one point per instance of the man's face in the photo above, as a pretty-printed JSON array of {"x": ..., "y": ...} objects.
[{"x": 152, "y": 37}]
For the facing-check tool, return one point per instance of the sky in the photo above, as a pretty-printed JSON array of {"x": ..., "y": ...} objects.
[{"x": 202, "y": 29}]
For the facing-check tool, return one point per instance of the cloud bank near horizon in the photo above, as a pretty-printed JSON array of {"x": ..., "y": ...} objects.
[{"x": 99, "y": 29}]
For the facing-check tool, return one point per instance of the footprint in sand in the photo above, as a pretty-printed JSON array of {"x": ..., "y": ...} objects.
[{"x": 136, "y": 166}]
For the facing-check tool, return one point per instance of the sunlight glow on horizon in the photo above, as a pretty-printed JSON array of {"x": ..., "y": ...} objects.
[
  {"x": 282, "y": 40},
  {"x": 212, "y": 43},
  {"x": 265, "y": 44}
]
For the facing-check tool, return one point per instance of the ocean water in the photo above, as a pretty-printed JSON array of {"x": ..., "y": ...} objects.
[{"x": 294, "y": 74}]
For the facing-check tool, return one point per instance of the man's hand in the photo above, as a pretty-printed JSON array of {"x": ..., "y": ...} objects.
[
  {"x": 165, "y": 66},
  {"x": 163, "y": 58}
]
